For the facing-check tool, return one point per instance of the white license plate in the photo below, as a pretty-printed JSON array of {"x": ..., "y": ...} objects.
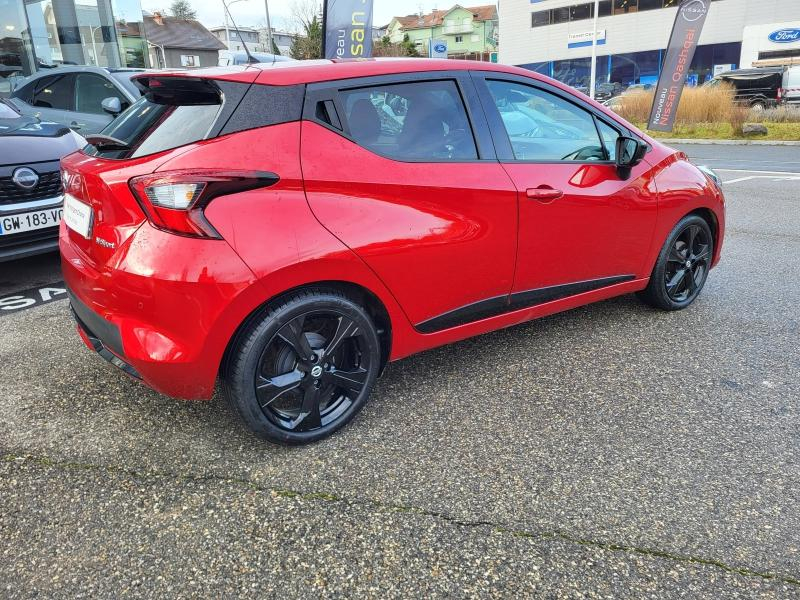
[
  {"x": 77, "y": 215},
  {"x": 35, "y": 219}
]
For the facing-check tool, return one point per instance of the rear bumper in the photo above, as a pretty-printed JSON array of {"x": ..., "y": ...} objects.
[{"x": 163, "y": 310}]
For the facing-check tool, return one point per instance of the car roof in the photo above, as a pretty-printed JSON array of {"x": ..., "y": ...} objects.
[{"x": 311, "y": 71}]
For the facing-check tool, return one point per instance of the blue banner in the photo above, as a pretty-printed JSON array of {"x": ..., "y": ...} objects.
[{"x": 348, "y": 28}]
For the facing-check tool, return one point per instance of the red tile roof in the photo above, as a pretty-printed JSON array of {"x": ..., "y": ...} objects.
[{"x": 434, "y": 19}]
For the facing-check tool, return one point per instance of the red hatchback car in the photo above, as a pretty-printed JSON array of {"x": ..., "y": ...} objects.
[{"x": 292, "y": 228}]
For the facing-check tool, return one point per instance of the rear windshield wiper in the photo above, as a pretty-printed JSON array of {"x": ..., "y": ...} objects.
[{"x": 106, "y": 142}]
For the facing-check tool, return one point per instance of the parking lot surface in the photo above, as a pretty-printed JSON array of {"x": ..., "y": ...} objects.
[{"x": 610, "y": 451}]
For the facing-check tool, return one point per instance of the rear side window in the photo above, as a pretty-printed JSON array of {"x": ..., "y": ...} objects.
[
  {"x": 54, "y": 92},
  {"x": 424, "y": 120}
]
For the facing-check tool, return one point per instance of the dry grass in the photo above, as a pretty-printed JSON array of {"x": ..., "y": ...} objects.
[
  {"x": 698, "y": 105},
  {"x": 711, "y": 111}
]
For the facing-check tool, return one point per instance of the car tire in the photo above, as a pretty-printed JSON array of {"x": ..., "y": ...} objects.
[
  {"x": 758, "y": 106},
  {"x": 303, "y": 367},
  {"x": 682, "y": 266}
]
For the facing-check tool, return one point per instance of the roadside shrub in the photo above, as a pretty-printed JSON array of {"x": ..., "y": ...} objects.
[
  {"x": 698, "y": 105},
  {"x": 783, "y": 114}
]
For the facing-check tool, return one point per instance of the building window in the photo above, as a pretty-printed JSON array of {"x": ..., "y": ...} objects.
[
  {"x": 650, "y": 4},
  {"x": 625, "y": 6},
  {"x": 579, "y": 12},
  {"x": 540, "y": 18},
  {"x": 605, "y": 9},
  {"x": 459, "y": 39},
  {"x": 560, "y": 15}
]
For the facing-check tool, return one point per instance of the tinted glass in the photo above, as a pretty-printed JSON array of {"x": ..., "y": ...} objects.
[
  {"x": 54, "y": 92},
  {"x": 148, "y": 127},
  {"x": 542, "y": 126},
  {"x": 538, "y": 19},
  {"x": 605, "y": 8},
  {"x": 560, "y": 15},
  {"x": 580, "y": 12},
  {"x": 650, "y": 4},
  {"x": 625, "y": 6},
  {"x": 423, "y": 120},
  {"x": 91, "y": 90}
]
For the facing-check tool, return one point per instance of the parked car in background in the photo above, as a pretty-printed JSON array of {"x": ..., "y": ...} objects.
[
  {"x": 228, "y": 58},
  {"x": 30, "y": 182},
  {"x": 757, "y": 88},
  {"x": 85, "y": 99},
  {"x": 790, "y": 86},
  {"x": 294, "y": 273}
]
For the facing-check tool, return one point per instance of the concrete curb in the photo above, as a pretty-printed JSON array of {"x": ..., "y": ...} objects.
[{"x": 731, "y": 142}]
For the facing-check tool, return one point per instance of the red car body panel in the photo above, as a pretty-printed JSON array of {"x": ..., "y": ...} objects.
[
  {"x": 423, "y": 240},
  {"x": 450, "y": 231}
]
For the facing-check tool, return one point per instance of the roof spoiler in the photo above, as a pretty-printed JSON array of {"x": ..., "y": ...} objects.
[{"x": 179, "y": 90}]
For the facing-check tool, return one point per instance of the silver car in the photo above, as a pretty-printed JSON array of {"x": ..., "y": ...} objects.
[{"x": 86, "y": 99}]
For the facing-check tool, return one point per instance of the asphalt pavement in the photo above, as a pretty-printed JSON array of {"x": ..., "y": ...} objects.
[{"x": 611, "y": 451}]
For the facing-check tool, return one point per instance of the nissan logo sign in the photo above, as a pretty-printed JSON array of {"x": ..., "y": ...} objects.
[
  {"x": 693, "y": 10},
  {"x": 785, "y": 36},
  {"x": 25, "y": 178}
]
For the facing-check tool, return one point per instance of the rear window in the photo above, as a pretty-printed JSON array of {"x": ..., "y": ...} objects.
[{"x": 148, "y": 127}]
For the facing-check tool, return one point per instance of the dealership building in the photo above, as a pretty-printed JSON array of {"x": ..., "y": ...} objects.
[
  {"x": 554, "y": 37},
  {"x": 37, "y": 34}
]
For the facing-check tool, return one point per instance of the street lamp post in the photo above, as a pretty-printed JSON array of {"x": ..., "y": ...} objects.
[
  {"x": 226, "y": 6},
  {"x": 92, "y": 31},
  {"x": 269, "y": 28},
  {"x": 594, "y": 51}
]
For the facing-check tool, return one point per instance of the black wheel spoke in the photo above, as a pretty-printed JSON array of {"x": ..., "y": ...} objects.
[
  {"x": 309, "y": 417},
  {"x": 675, "y": 256},
  {"x": 690, "y": 284},
  {"x": 703, "y": 256},
  {"x": 675, "y": 281},
  {"x": 351, "y": 382},
  {"x": 346, "y": 328},
  {"x": 692, "y": 231},
  {"x": 292, "y": 334},
  {"x": 270, "y": 389}
]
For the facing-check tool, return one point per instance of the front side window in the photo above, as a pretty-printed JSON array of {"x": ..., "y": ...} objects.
[
  {"x": 544, "y": 127},
  {"x": 423, "y": 120},
  {"x": 91, "y": 90}
]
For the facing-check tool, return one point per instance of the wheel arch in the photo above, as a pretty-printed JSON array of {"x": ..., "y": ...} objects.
[
  {"x": 709, "y": 217},
  {"x": 360, "y": 294}
]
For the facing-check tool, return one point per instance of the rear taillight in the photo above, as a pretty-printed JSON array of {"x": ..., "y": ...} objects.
[
  {"x": 174, "y": 200},
  {"x": 780, "y": 94}
]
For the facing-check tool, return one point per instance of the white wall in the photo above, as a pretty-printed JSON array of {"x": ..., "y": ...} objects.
[
  {"x": 634, "y": 32},
  {"x": 756, "y": 39}
]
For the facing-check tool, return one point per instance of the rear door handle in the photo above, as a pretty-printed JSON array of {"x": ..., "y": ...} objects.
[{"x": 543, "y": 193}]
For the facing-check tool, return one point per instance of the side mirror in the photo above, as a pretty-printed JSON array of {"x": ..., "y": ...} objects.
[
  {"x": 630, "y": 153},
  {"x": 112, "y": 105}
]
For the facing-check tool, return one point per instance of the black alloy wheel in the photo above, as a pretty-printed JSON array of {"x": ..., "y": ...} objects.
[
  {"x": 682, "y": 267},
  {"x": 305, "y": 369},
  {"x": 688, "y": 262}
]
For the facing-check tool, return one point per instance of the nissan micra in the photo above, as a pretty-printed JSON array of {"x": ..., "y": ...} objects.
[{"x": 289, "y": 229}]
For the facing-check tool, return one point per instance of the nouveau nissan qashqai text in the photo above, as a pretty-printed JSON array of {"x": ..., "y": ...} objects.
[{"x": 288, "y": 229}]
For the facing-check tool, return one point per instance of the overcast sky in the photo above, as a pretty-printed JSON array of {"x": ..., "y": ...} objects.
[{"x": 251, "y": 12}]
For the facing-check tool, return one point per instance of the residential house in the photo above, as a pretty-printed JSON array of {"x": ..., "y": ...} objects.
[
  {"x": 176, "y": 43},
  {"x": 469, "y": 32},
  {"x": 282, "y": 39},
  {"x": 235, "y": 40}
]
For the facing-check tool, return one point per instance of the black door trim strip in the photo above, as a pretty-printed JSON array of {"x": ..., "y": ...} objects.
[{"x": 499, "y": 305}]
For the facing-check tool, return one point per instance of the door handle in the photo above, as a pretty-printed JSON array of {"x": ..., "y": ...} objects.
[
  {"x": 543, "y": 193},
  {"x": 75, "y": 125}
]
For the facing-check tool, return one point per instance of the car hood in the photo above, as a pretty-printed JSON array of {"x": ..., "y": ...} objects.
[{"x": 19, "y": 149}]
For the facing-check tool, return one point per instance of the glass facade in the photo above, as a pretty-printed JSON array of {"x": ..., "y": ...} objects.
[
  {"x": 637, "y": 67},
  {"x": 37, "y": 34}
]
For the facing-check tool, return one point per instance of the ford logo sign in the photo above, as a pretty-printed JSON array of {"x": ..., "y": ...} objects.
[
  {"x": 440, "y": 48},
  {"x": 25, "y": 178},
  {"x": 785, "y": 36}
]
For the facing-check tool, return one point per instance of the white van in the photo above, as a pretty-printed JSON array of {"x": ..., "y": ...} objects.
[
  {"x": 228, "y": 58},
  {"x": 790, "y": 89}
]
